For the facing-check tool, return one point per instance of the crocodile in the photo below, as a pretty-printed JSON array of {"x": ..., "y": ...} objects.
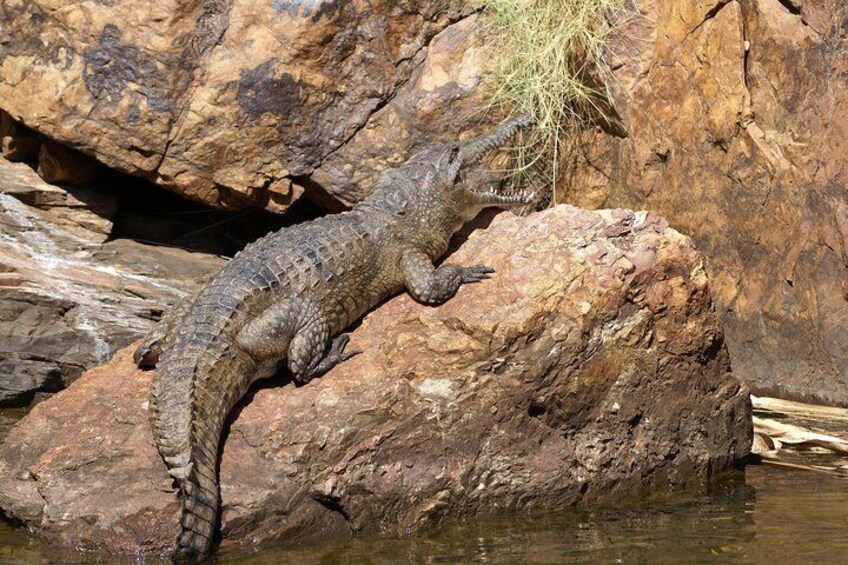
[{"x": 285, "y": 299}]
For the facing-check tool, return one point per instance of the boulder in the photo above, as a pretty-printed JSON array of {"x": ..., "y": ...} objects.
[
  {"x": 592, "y": 367},
  {"x": 441, "y": 101},
  {"x": 67, "y": 300},
  {"x": 233, "y": 103},
  {"x": 734, "y": 128}
]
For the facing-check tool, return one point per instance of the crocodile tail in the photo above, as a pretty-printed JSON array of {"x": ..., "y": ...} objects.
[
  {"x": 196, "y": 473},
  {"x": 199, "y": 505},
  {"x": 193, "y": 392}
]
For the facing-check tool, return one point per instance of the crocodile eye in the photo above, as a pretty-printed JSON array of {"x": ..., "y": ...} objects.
[{"x": 454, "y": 154}]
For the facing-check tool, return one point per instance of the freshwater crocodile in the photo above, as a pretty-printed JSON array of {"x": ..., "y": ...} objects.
[{"x": 283, "y": 298}]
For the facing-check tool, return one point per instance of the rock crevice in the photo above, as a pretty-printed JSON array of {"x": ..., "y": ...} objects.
[{"x": 734, "y": 135}]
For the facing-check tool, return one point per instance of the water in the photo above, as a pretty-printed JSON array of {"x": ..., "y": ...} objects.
[{"x": 764, "y": 514}]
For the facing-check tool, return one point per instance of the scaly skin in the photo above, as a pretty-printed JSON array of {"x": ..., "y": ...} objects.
[{"x": 284, "y": 297}]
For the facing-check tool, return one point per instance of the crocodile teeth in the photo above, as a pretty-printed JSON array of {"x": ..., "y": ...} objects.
[{"x": 493, "y": 196}]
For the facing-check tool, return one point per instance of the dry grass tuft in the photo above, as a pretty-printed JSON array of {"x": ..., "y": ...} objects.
[{"x": 552, "y": 65}]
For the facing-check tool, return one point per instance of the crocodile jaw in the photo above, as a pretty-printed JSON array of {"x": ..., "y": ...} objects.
[
  {"x": 473, "y": 150},
  {"x": 491, "y": 197}
]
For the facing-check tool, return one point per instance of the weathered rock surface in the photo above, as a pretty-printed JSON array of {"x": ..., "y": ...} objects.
[
  {"x": 592, "y": 367},
  {"x": 735, "y": 118},
  {"x": 68, "y": 301},
  {"x": 85, "y": 212},
  {"x": 230, "y": 102},
  {"x": 730, "y": 116},
  {"x": 440, "y": 101}
]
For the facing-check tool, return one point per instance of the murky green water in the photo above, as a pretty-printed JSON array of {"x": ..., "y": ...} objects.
[
  {"x": 761, "y": 515},
  {"x": 765, "y": 514}
]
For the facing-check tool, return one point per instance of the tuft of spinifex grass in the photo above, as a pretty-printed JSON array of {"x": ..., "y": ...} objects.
[{"x": 551, "y": 64}]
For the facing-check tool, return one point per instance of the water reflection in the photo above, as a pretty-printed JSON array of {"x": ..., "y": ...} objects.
[
  {"x": 686, "y": 529},
  {"x": 765, "y": 514}
]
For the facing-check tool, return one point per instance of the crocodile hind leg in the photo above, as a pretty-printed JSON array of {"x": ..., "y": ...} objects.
[
  {"x": 297, "y": 330},
  {"x": 146, "y": 355},
  {"x": 312, "y": 354}
]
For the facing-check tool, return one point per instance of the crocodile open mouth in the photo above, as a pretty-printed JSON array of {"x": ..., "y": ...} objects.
[
  {"x": 473, "y": 150},
  {"x": 492, "y": 197}
]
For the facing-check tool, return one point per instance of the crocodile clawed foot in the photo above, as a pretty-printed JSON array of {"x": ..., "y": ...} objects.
[
  {"x": 338, "y": 350},
  {"x": 336, "y": 354},
  {"x": 476, "y": 273},
  {"x": 146, "y": 356}
]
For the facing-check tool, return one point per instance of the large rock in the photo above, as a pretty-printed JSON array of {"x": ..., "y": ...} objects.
[
  {"x": 734, "y": 117},
  {"x": 729, "y": 121},
  {"x": 591, "y": 367},
  {"x": 67, "y": 300},
  {"x": 440, "y": 101},
  {"x": 230, "y": 102}
]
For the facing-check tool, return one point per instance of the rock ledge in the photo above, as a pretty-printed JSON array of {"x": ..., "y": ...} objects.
[{"x": 592, "y": 367}]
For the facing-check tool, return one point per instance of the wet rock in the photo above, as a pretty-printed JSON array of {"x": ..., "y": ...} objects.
[
  {"x": 224, "y": 102},
  {"x": 735, "y": 118},
  {"x": 67, "y": 302},
  {"x": 590, "y": 368}
]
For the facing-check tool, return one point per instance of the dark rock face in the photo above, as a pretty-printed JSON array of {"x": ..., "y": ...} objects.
[
  {"x": 592, "y": 367},
  {"x": 111, "y": 66},
  {"x": 42, "y": 348},
  {"x": 67, "y": 300},
  {"x": 735, "y": 115}
]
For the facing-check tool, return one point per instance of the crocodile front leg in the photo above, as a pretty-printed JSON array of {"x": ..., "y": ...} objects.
[{"x": 430, "y": 285}]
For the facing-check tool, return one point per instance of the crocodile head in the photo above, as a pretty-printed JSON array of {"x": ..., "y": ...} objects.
[
  {"x": 440, "y": 172},
  {"x": 429, "y": 190}
]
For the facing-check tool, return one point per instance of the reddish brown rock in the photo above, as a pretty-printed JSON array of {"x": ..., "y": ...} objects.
[
  {"x": 730, "y": 123},
  {"x": 591, "y": 367},
  {"x": 225, "y": 102},
  {"x": 735, "y": 120}
]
